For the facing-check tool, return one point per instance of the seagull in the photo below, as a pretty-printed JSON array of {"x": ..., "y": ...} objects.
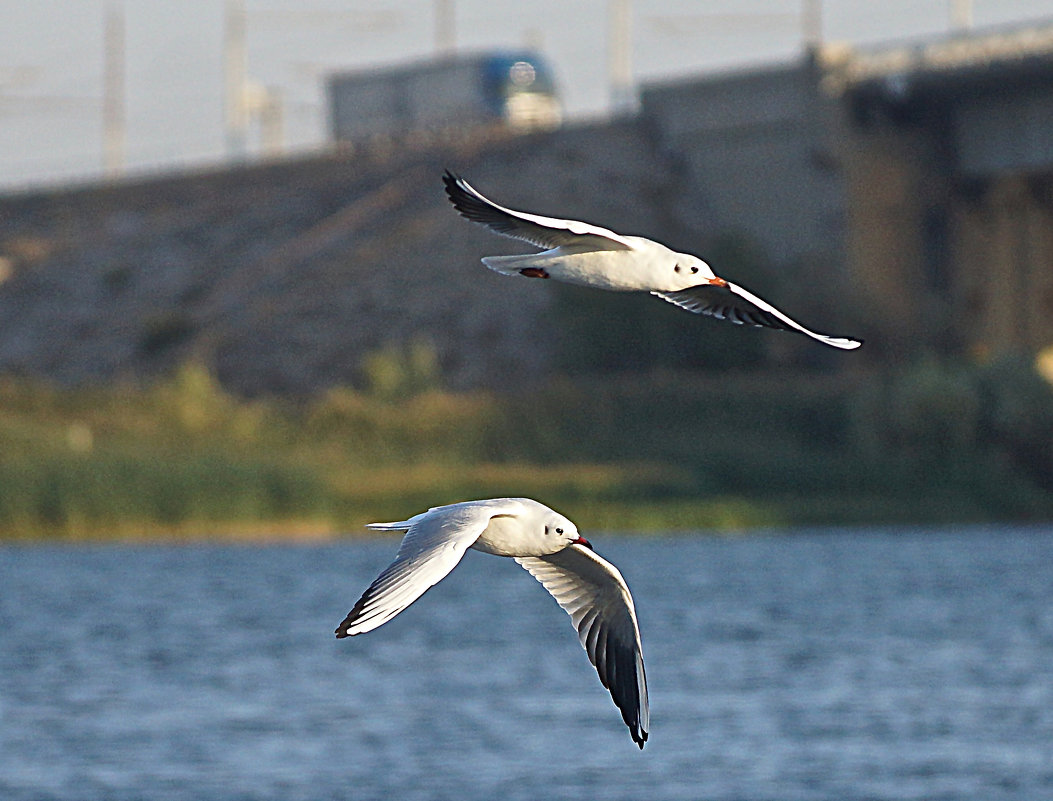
[
  {"x": 585, "y": 254},
  {"x": 588, "y": 587}
]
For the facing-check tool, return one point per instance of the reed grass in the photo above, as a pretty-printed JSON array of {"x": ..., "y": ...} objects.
[{"x": 184, "y": 458}]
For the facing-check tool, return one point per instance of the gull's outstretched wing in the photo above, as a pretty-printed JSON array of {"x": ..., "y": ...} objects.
[
  {"x": 543, "y": 232},
  {"x": 434, "y": 543},
  {"x": 595, "y": 595},
  {"x": 741, "y": 307}
]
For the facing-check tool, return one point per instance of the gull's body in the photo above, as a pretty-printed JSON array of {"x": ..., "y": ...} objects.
[
  {"x": 640, "y": 267},
  {"x": 546, "y": 544},
  {"x": 585, "y": 254}
]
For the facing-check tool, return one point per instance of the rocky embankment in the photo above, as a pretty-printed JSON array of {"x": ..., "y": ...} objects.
[{"x": 282, "y": 277}]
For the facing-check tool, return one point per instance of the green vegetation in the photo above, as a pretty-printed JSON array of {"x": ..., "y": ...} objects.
[{"x": 932, "y": 442}]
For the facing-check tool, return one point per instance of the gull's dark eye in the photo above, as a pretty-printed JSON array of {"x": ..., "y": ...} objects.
[
  {"x": 559, "y": 531},
  {"x": 694, "y": 269}
]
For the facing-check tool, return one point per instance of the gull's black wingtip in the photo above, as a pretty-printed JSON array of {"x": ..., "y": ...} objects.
[
  {"x": 451, "y": 182},
  {"x": 463, "y": 198},
  {"x": 450, "y": 179},
  {"x": 345, "y": 624}
]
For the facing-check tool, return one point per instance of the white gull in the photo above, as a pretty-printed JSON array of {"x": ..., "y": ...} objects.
[
  {"x": 548, "y": 545},
  {"x": 580, "y": 253}
]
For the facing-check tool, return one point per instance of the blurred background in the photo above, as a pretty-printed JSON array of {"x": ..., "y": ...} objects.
[
  {"x": 103, "y": 85},
  {"x": 234, "y": 302},
  {"x": 234, "y": 297}
]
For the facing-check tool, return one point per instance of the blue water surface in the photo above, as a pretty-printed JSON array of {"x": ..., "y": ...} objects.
[{"x": 907, "y": 664}]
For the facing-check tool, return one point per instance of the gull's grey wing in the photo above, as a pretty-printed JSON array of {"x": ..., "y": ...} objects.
[
  {"x": 543, "y": 232},
  {"x": 434, "y": 543},
  {"x": 592, "y": 591},
  {"x": 732, "y": 302}
]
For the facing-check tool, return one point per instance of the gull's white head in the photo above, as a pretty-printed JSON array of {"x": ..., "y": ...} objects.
[
  {"x": 689, "y": 271},
  {"x": 531, "y": 530},
  {"x": 554, "y": 529},
  {"x": 560, "y": 530}
]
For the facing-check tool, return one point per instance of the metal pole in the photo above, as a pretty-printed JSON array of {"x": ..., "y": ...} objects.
[
  {"x": 272, "y": 122},
  {"x": 234, "y": 59},
  {"x": 961, "y": 15},
  {"x": 812, "y": 22},
  {"x": 445, "y": 27},
  {"x": 113, "y": 119},
  {"x": 620, "y": 55}
]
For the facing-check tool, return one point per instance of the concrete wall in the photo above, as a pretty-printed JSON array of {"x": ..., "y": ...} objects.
[
  {"x": 756, "y": 148},
  {"x": 1007, "y": 130},
  {"x": 1005, "y": 259},
  {"x": 900, "y": 214},
  {"x": 895, "y": 190},
  {"x": 284, "y": 277},
  {"x": 949, "y": 208}
]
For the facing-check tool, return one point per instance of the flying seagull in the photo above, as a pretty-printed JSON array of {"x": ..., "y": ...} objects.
[
  {"x": 548, "y": 545},
  {"x": 580, "y": 253}
]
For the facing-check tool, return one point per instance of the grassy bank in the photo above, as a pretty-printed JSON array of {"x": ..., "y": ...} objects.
[{"x": 930, "y": 443}]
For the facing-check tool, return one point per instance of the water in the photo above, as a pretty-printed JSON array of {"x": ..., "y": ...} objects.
[{"x": 835, "y": 665}]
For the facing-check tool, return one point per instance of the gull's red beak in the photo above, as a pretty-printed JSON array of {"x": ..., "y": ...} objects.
[{"x": 582, "y": 541}]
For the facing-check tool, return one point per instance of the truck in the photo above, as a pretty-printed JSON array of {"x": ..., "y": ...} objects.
[{"x": 454, "y": 93}]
